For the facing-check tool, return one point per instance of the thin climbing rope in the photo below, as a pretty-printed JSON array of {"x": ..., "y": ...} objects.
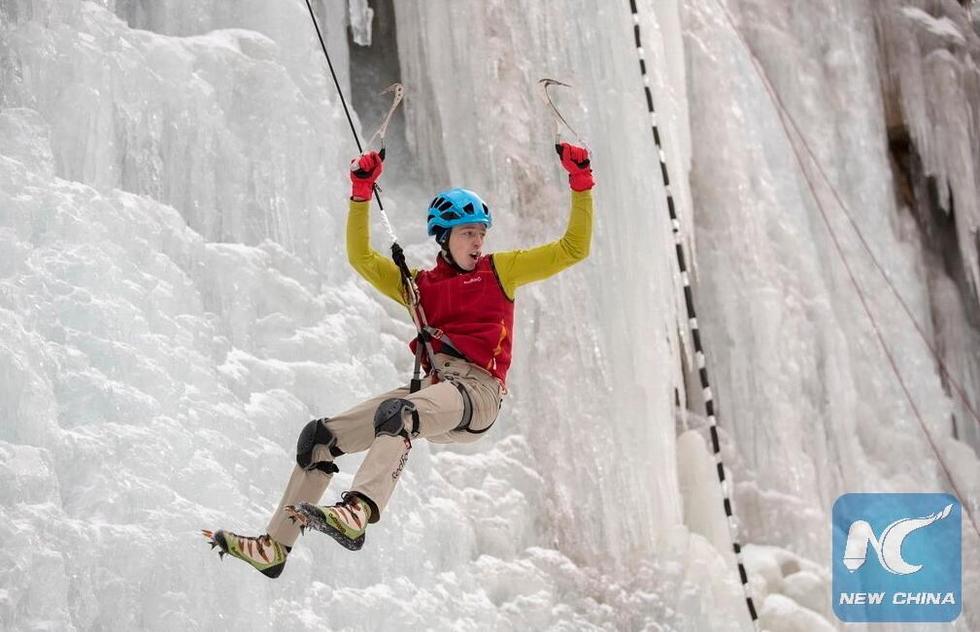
[
  {"x": 850, "y": 218},
  {"x": 785, "y": 116},
  {"x": 412, "y": 295},
  {"x": 350, "y": 121}
]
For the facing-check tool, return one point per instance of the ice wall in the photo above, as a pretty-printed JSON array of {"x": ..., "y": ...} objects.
[
  {"x": 811, "y": 402},
  {"x": 175, "y": 303},
  {"x": 931, "y": 86}
]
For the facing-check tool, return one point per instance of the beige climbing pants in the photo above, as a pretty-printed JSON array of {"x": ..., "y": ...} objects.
[{"x": 440, "y": 409}]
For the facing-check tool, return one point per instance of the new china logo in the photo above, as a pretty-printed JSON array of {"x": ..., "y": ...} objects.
[{"x": 897, "y": 557}]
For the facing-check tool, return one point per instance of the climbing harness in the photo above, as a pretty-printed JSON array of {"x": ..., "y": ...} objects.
[
  {"x": 692, "y": 320},
  {"x": 412, "y": 296}
]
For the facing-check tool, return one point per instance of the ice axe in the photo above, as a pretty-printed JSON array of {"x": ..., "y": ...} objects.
[
  {"x": 559, "y": 119},
  {"x": 399, "y": 92}
]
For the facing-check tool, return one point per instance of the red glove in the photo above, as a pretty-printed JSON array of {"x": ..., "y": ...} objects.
[
  {"x": 364, "y": 170},
  {"x": 575, "y": 160}
]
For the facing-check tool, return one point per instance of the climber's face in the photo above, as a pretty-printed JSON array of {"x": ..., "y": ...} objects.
[{"x": 466, "y": 244}]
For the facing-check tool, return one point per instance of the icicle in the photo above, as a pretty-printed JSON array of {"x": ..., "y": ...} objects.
[{"x": 361, "y": 16}]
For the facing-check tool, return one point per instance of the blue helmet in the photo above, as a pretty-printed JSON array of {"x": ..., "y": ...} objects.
[{"x": 454, "y": 207}]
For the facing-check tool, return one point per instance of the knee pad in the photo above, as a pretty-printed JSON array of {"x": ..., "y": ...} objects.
[
  {"x": 388, "y": 418},
  {"x": 313, "y": 434}
]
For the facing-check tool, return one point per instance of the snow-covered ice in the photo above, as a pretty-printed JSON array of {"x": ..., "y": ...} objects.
[{"x": 176, "y": 303}]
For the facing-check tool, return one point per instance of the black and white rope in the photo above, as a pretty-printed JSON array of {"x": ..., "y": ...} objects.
[{"x": 692, "y": 320}]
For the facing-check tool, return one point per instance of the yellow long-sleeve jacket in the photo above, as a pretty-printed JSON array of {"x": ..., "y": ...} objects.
[{"x": 514, "y": 268}]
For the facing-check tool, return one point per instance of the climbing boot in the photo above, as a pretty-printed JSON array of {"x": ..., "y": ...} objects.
[
  {"x": 262, "y": 553},
  {"x": 345, "y": 522}
]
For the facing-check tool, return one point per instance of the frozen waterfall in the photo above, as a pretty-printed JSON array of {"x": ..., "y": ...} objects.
[{"x": 176, "y": 303}]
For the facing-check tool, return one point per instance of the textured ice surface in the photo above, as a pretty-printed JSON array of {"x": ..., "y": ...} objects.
[
  {"x": 175, "y": 303},
  {"x": 813, "y": 407}
]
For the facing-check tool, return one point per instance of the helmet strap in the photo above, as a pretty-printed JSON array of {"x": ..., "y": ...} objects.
[
  {"x": 442, "y": 238},
  {"x": 448, "y": 256}
]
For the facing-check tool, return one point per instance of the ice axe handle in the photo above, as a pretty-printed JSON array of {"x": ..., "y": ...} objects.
[
  {"x": 361, "y": 173},
  {"x": 580, "y": 164}
]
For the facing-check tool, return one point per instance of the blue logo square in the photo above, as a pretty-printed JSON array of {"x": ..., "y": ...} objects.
[{"x": 897, "y": 558}]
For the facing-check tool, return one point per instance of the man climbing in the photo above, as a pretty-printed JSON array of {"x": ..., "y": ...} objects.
[{"x": 468, "y": 300}]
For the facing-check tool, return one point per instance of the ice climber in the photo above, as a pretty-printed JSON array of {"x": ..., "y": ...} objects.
[{"x": 468, "y": 298}]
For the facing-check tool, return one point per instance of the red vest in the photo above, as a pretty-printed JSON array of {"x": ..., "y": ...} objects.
[{"x": 472, "y": 310}]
